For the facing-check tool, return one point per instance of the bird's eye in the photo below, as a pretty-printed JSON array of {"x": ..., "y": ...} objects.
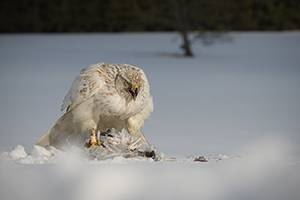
[{"x": 126, "y": 83}]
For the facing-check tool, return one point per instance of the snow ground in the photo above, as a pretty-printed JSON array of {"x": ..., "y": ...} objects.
[{"x": 239, "y": 99}]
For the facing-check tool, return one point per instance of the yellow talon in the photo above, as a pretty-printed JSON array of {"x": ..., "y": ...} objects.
[
  {"x": 94, "y": 145},
  {"x": 93, "y": 140}
]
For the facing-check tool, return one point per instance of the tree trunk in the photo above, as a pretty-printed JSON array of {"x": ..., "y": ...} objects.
[
  {"x": 182, "y": 23},
  {"x": 186, "y": 46}
]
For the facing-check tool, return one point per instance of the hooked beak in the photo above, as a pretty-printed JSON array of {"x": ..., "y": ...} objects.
[{"x": 134, "y": 92}]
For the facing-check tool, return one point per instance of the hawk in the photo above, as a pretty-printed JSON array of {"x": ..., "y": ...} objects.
[{"x": 103, "y": 96}]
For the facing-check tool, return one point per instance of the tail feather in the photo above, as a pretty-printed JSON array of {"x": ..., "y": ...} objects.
[
  {"x": 62, "y": 135},
  {"x": 44, "y": 141}
]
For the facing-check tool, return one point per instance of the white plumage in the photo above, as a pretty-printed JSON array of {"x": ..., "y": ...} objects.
[{"x": 102, "y": 96}]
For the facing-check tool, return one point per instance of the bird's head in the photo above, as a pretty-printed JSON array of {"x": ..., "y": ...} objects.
[{"x": 129, "y": 83}]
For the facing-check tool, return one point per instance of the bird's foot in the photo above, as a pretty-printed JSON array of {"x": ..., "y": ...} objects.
[
  {"x": 95, "y": 144},
  {"x": 93, "y": 141}
]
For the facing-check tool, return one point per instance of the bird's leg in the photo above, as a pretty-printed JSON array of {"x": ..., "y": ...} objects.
[
  {"x": 93, "y": 140},
  {"x": 144, "y": 140},
  {"x": 134, "y": 125},
  {"x": 150, "y": 152}
]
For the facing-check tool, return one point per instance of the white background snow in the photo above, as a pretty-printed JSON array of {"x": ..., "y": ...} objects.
[{"x": 239, "y": 99}]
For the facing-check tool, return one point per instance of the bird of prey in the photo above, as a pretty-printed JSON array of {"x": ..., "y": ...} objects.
[{"x": 103, "y": 96}]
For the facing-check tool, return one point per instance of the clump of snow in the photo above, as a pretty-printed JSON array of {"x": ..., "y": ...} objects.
[
  {"x": 18, "y": 152},
  {"x": 38, "y": 155},
  {"x": 40, "y": 151}
]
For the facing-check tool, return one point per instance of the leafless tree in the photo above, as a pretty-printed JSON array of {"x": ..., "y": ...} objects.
[{"x": 187, "y": 15}]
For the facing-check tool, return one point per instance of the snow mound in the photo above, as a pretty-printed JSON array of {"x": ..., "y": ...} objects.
[
  {"x": 18, "y": 152},
  {"x": 38, "y": 155}
]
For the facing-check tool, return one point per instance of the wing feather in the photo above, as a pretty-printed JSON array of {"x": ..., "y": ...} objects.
[{"x": 87, "y": 83}]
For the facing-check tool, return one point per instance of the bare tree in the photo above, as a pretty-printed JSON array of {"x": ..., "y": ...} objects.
[
  {"x": 182, "y": 24},
  {"x": 187, "y": 15}
]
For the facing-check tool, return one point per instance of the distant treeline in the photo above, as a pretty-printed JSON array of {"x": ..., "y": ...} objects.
[{"x": 147, "y": 15}]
